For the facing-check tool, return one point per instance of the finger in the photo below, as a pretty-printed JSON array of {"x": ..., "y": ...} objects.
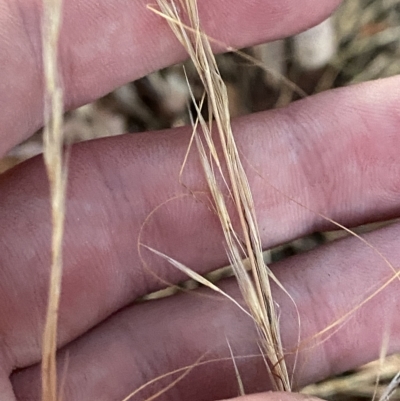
[
  {"x": 149, "y": 340},
  {"x": 105, "y": 44},
  {"x": 336, "y": 153}
]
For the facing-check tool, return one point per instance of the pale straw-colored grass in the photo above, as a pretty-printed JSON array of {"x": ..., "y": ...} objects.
[
  {"x": 53, "y": 157},
  {"x": 224, "y": 173}
]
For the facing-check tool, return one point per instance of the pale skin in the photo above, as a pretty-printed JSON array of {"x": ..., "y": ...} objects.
[{"x": 336, "y": 153}]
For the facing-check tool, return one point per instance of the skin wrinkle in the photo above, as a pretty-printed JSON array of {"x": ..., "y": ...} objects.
[
  {"x": 29, "y": 14},
  {"x": 315, "y": 167},
  {"x": 284, "y": 149},
  {"x": 361, "y": 137},
  {"x": 13, "y": 66},
  {"x": 367, "y": 154},
  {"x": 261, "y": 171}
]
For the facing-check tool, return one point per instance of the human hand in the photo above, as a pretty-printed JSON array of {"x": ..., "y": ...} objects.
[{"x": 337, "y": 153}]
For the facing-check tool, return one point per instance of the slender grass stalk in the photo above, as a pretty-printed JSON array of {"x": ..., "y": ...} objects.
[{"x": 53, "y": 157}]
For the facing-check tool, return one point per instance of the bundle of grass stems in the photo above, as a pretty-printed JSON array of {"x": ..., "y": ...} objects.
[{"x": 223, "y": 172}]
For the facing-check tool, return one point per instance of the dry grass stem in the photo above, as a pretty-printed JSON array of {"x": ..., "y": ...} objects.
[
  {"x": 391, "y": 388},
  {"x": 362, "y": 383},
  {"x": 244, "y": 243},
  {"x": 197, "y": 277},
  {"x": 184, "y": 372},
  {"x": 53, "y": 144},
  {"x": 237, "y": 373}
]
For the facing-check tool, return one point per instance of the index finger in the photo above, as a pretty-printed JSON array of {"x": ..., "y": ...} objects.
[{"x": 106, "y": 44}]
